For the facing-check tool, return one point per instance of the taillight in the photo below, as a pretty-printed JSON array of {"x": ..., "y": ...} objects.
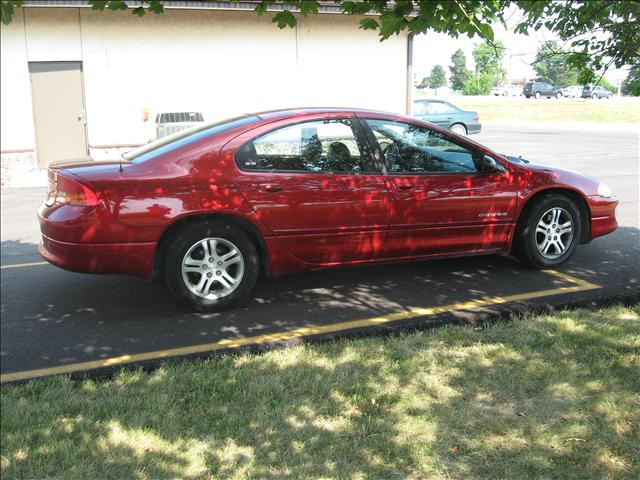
[{"x": 70, "y": 192}]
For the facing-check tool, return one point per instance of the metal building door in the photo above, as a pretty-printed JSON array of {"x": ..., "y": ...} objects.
[{"x": 58, "y": 111}]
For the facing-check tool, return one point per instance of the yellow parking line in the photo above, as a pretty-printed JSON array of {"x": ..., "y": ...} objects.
[
  {"x": 24, "y": 265},
  {"x": 578, "y": 286}
]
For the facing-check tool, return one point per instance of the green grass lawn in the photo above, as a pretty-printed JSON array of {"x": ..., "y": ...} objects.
[
  {"x": 566, "y": 109},
  {"x": 550, "y": 396}
]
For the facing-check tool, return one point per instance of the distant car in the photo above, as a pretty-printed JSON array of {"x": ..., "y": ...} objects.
[
  {"x": 447, "y": 115},
  {"x": 541, "y": 89},
  {"x": 506, "y": 90},
  {"x": 212, "y": 208},
  {"x": 590, "y": 91},
  {"x": 574, "y": 91}
]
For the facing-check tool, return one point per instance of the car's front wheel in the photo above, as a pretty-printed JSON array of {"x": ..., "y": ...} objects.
[
  {"x": 459, "y": 129},
  {"x": 211, "y": 266},
  {"x": 549, "y": 232},
  {"x": 538, "y": 95},
  {"x": 594, "y": 96}
]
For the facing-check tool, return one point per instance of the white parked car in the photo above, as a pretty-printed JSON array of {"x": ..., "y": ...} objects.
[
  {"x": 574, "y": 91},
  {"x": 506, "y": 90}
]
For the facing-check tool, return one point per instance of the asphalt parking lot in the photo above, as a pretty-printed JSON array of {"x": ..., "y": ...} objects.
[{"x": 55, "y": 321}]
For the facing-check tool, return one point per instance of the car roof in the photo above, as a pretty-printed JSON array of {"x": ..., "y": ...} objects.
[{"x": 292, "y": 112}]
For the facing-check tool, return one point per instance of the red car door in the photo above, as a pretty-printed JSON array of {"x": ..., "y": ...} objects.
[
  {"x": 315, "y": 185},
  {"x": 446, "y": 197}
]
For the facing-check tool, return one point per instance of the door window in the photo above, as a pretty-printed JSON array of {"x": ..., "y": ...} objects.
[
  {"x": 420, "y": 108},
  {"x": 321, "y": 146},
  {"x": 439, "y": 108},
  {"x": 413, "y": 149}
]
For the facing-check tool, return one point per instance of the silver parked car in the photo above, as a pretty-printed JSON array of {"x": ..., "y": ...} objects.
[{"x": 591, "y": 91}]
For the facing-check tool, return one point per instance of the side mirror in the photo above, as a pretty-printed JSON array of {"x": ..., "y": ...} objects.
[{"x": 490, "y": 165}]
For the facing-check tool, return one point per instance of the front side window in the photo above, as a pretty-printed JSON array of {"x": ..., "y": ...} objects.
[
  {"x": 409, "y": 148},
  {"x": 420, "y": 108},
  {"x": 329, "y": 146}
]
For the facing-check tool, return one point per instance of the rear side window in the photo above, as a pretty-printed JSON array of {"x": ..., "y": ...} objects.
[
  {"x": 184, "y": 137},
  {"x": 323, "y": 146}
]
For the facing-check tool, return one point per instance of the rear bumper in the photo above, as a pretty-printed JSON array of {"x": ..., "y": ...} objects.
[
  {"x": 473, "y": 128},
  {"x": 122, "y": 258},
  {"x": 603, "y": 215}
]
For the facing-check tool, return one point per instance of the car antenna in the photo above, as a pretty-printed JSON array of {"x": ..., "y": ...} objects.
[{"x": 120, "y": 162}]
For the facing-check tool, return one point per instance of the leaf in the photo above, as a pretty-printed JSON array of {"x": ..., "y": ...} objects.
[
  {"x": 156, "y": 6},
  {"x": 7, "y": 9},
  {"x": 117, "y": 5},
  {"x": 284, "y": 19},
  {"x": 309, "y": 7},
  {"x": 487, "y": 31},
  {"x": 98, "y": 4},
  {"x": 369, "y": 24},
  {"x": 139, "y": 11},
  {"x": 261, "y": 8}
]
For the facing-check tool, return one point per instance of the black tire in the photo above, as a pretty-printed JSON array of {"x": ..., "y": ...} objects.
[
  {"x": 459, "y": 128},
  {"x": 528, "y": 96},
  {"x": 185, "y": 240},
  {"x": 525, "y": 241}
]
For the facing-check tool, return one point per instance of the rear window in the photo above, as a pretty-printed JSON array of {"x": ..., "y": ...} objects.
[{"x": 184, "y": 137}]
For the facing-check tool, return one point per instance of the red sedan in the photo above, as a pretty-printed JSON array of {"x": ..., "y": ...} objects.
[{"x": 211, "y": 208}]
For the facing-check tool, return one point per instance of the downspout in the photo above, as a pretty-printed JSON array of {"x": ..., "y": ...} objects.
[{"x": 409, "y": 85}]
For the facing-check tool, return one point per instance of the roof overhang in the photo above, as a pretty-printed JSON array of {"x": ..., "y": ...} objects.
[{"x": 325, "y": 7}]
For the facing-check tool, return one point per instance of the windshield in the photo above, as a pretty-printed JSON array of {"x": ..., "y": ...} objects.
[{"x": 184, "y": 137}]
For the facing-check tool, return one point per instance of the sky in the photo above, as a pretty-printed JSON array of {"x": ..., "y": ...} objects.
[{"x": 432, "y": 49}]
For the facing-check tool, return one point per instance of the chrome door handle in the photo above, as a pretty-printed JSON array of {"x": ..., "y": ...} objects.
[{"x": 270, "y": 187}]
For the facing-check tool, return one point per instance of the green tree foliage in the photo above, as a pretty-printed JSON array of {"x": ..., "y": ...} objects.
[
  {"x": 458, "y": 69},
  {"x": 551, "y": 65},
  {"x": 479, "y": 84},
  {"x": 488, "y": 72},
  {"x": 437, "y": 78},
  {"x": 631, "y": 84},
  {"x": 488, "y": 59},
  {"x": 598, "y": 33}
]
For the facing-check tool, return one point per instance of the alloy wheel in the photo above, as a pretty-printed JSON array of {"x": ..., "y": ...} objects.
[
  {"x": 212, "y": 268},
  {"x": 554, "y": 233}
]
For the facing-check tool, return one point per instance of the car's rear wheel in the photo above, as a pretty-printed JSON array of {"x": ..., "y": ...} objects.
[
  {"x": 211, "y": 266},
  {"x": 609, "y": 96},
  {"x": 459, "y": 129},
  {"x": 549, "y": 232},
  {"x": 559, "y": 95},
  {"x": 538, "y": 95}
]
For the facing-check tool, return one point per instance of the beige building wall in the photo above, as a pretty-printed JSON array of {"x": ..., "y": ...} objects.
[{"x": 222, "y": 63}]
